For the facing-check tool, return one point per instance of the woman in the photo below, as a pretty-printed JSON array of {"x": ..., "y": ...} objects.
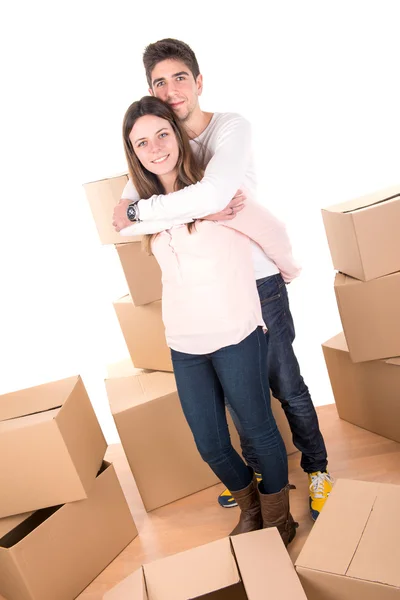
[{"x": 213, "y": 322}]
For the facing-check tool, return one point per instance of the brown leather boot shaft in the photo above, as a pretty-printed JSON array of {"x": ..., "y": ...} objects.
[
  {"x": 275, "y": 509},
  {"x": 250, "y": 510}
]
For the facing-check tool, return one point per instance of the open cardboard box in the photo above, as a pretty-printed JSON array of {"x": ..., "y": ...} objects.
[
  {"x": 353, "y": 550},
  {"x": 51, "y": 446},
  {"x": 363, "y": 234},
  {"x": 54, "y": 553},
  {"x": 251, "y": 566}
]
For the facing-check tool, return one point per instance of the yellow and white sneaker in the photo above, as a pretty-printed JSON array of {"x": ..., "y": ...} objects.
[
  {"x": 226, "y": 500},
  {"x": 320, "y": 485}
]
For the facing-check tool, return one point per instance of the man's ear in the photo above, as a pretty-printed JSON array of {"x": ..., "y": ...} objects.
[
  {"x": 199, "y": 84},
  {"x": 151, "y": 92}
]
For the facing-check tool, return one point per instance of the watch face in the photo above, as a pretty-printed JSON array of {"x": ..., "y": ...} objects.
[{"x": 131, "y": 213}]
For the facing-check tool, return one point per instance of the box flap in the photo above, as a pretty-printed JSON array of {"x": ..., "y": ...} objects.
[
  {"x": 264, "y": 564},
  {"x": 7, "y": 524},
  {"x": 126, "y": 392},
  {"x": 377, "y": 557},
  {"x": 338, "y": 342},
  {"x": 345, "y": 280},
  {"x": 36, "y": 399},
  {"x": 133, "y": 587},
  {"x": 28, "y": 420},
  {"x": 393, "y": 361},
  {"x": 192, "y": 573},
  {"x": 349, "y": 505},
  {"x": 389, "y": 194}
]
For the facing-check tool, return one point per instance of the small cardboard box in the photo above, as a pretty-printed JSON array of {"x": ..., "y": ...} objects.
[
  {"x": 353, "y": 549},
  {"x": 369, "y": 312},
  {"x": 156, "y": 438},
  {"x": 363, "y": 234},
  {"x": 51, "y": 446},
  {"x": 144, "y": 333},
  {"x": 142, "y": 273},
  {"x": 251, "y": 566},
  {"x": 103, "y": 196},
  {"x": 56, "y": 552},
  {"x": 366, "y": 394}
]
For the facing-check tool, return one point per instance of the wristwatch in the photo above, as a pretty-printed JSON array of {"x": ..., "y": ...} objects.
[{"x": 132, "y": 211}]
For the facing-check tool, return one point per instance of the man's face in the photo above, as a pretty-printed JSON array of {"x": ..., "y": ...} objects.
[{"x": 173, "y": 82}]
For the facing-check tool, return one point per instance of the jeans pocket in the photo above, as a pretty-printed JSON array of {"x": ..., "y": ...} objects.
[{"x": 265, "y": 301}]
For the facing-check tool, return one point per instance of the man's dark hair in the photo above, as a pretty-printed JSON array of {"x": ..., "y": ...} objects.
[{"x": 169, "y": 49}]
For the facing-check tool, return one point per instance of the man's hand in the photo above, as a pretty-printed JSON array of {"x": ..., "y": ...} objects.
[
  {"x": 120, "y": 219},
  {"x": 229, "y": 213}
]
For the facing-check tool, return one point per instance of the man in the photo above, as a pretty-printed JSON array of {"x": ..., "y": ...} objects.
[{"x": 173, "y": 75}]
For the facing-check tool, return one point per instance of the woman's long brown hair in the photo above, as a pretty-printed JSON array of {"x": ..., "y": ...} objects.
[{"x": 146, "y": 183}]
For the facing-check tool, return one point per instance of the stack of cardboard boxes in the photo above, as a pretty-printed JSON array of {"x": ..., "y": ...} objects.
[
  {"x": 63, "y": 515},
  {"x": 364, "y": 360},
  {"x": 142, "y": 392}
]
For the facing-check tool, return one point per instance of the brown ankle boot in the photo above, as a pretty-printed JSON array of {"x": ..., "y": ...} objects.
[
  {"x": 276, "y": 513},
  {"x": 249, "y": 503}
]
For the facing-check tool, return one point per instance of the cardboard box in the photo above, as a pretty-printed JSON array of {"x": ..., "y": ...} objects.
[
  {"x": 58, "y": 551},
  {"x": 51, "y": 446},
  {"x": 156, "y": 439},
  {"x": 166, "y": 465},
  {"x": 103, "y": 196},
  {"x": 251, "y": 566},
  {"x": 363, "y": 234},
  {"x": 144, "y": 333},
  {"x": 366, "y": 394},
  {"x": 369, "y": 312},
  {"x": 142, "y": 273},
  {"x": 361, "y": 523}
]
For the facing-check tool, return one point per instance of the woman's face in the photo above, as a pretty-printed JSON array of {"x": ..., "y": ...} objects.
[{"x": 155, "y": 144}]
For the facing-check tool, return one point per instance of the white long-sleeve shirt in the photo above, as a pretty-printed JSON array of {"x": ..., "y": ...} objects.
[{"x": 226, "y": 143}]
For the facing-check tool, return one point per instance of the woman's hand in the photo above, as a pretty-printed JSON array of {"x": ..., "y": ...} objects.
[{"x": 230, "y": 211}]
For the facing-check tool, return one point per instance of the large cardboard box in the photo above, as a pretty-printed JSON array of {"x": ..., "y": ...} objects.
[
  {"x": 142, "y": 273},
  {"x": 156, "y": 438},
  {"x": 103, "y": 196},
  {"x": 58, "y": 551},
  {"x": 366, "y": 394},
  {"x": 251, "y": 566},
  {"x": 363, "y": 234},
  {"x": 144, "y": 333},
  {"x": 51, "y": 446},
  {"x": 370, "y": 316},
  {"x": 353, "y": 550}
]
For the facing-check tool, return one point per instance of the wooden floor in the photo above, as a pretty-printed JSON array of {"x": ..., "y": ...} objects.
[{"x": 353, "y": 454}]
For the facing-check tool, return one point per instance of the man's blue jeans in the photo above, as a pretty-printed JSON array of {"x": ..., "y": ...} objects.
[
  {"x": 285, "y": 380},
  {"x": 238, "y": 373}
]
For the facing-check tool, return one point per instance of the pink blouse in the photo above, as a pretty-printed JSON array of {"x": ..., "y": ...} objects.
[{"x": 210, "y": 297}]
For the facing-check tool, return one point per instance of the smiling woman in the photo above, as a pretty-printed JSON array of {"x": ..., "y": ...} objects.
[{"x": 157, "y": 151}]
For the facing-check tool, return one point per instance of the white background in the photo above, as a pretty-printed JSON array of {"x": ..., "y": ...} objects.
[{"x": 320, "y": 83}]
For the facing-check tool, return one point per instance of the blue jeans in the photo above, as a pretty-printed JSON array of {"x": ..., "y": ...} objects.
[
  {"x": 285, "y": 380},
  {"x": 238, "y": 373}
]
